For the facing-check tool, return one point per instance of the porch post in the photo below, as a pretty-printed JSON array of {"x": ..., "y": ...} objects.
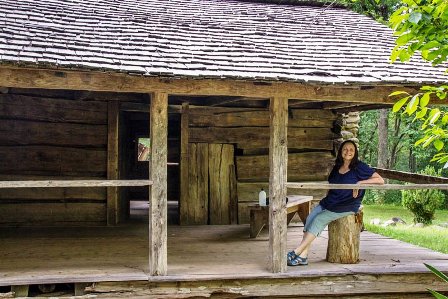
[
  {"x": 158, "y": 192},
  {"x": 278, "y": 162},
  {"x": 113, "y": 115}
]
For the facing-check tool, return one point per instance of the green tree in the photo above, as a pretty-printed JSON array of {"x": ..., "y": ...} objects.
[
  {"x": 379, "y": 10},
  {"x": 421, "y": 27}
]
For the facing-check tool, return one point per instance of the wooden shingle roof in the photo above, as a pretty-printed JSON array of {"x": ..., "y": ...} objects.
[{"x": 246, "y": 40}]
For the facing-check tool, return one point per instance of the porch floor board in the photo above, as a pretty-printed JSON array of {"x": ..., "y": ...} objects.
[{"x": 195, "y": 253}]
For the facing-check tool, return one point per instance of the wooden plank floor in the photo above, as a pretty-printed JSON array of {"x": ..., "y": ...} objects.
[
  {"x": 32, "y": 256},
  {"x": 209, "y": 261}
]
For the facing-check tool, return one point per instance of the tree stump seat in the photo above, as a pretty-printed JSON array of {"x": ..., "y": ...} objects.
[{"x": 344, "y": 238}]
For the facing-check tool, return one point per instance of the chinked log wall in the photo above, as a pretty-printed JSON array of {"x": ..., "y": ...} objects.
[
  {"x": 310, "y": 142},
  {"x": 47, "y": 138}
]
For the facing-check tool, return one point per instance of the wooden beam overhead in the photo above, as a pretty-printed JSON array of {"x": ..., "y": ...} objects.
[
  {"x": 227, "y": 101},
  {"x": 118, "y": 82},
  {"x": 362, "y": 108},
  {"x": 300, "y": 104}
]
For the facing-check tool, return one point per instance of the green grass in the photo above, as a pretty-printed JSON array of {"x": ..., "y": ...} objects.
[{"x": 433, "y": 236}]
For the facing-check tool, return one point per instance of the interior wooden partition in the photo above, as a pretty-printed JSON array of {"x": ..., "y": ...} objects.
[{"x": 157, "y": 180}]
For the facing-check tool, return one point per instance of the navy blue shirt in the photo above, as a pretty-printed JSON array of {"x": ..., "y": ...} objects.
[{"x": 338, "y": 200}]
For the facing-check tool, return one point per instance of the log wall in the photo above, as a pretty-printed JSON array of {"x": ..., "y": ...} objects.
[
  {"x": 310, "y": 147},
  {"x": 52, "y": 138}
]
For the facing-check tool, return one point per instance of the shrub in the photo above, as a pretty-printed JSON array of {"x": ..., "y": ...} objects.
[
  {"x": 423, "y": 203},
  {"x": 392, "y": 197}
]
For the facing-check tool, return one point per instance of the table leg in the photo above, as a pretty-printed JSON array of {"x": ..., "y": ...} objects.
[{"x": 257, "y": 222}]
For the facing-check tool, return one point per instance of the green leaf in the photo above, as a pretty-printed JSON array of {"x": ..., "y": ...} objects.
[
  {"x": 444, "y": 158},
  {"x": 441, "y": 95},
  {"x": 418, "y": 142},
  {"x": 404, "y": 39},
  {"x": 397, "y": 106},
  {"x": 434, "y": 115},
  {"x": 438, "y": 144},
  {"x": 426, "y": 88},
  {"x": 432, "y": 55},
  {"x": 395, "y": 53},
  {"x": 439, "y": 274},
  {"x": 396, "y": 19},
  {"x": 425, "y": 99},
  {"x": 430, "y": 45},
  {"x": 428, "y": 141},
  {"x": 437, "y": 295},
  {"x": 397, "y": 93},
  {"x": 412, "y": 105},
  {"x": 421, "y": 113},
  {"x": 404, "y": 56},
  {"x": 445, "y": 119},
  {"x": 415, "y": 17}
]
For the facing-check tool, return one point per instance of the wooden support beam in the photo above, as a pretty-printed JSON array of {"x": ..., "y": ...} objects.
[
  {"x": 118, "y": 82},
  {"x": 278, "y": 163},
  {"x": 158, "y": 174},
  {"x": 233, "y": 195},
  {"x": 410, "y": 177},
  {"x": 80, "y": 288},
  {"x": 184, "y": 165},
  {"x": 363, "y": 107},
  {"x": 227, "y": 101},
  {"x": 113, "y": 112},
  {"x": 74, "y": 183}
]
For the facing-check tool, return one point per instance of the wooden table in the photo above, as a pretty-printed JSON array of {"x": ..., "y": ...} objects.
[{"x": 259, "y": 215}]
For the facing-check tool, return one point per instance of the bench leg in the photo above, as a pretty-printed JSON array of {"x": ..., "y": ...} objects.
[
  {"x": 257, "y": 222},
  {"x": 304, "y": 211},
  {"x": 289, "y": 217}
]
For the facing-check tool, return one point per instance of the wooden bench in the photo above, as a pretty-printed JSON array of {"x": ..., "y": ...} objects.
[{"x": 259, "y": 215}]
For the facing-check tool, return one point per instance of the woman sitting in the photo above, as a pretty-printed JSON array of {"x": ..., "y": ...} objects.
[{"x": 338, "y": 203}]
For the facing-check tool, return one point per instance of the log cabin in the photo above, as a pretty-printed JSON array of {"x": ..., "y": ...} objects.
[{"x": 231, "y": 96}]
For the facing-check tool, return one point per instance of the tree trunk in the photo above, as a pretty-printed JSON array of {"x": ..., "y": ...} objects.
[
  {"x": 382, "y": 138},
  {"x": 343, "y": 239},
  {"x": 412, "y": 161}
]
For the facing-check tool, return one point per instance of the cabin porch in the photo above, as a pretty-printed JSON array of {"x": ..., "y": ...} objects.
[{"x": 115, "y": 259}]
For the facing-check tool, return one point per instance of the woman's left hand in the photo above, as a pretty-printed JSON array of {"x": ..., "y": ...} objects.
[{"x": 355, "y": 193}]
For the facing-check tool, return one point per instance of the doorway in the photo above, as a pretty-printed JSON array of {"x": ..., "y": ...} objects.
[{"x": 135, "y": 155}]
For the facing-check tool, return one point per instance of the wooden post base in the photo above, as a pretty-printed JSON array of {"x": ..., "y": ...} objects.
[
  {"x": 20, "y": 291},
  {"x": 343, "y": 239}
]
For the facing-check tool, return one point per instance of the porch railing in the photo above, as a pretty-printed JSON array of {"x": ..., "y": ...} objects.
[{"x": 74, "y": 183}]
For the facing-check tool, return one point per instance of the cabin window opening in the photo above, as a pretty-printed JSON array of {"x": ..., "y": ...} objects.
[{"x": 144, "y": 149}]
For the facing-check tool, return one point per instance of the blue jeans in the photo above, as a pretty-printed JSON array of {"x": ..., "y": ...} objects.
[{"x": 319, "y": 218}]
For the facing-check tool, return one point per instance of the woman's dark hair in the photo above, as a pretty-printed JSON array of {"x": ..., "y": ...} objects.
[{"x": 339, "y": 161}]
